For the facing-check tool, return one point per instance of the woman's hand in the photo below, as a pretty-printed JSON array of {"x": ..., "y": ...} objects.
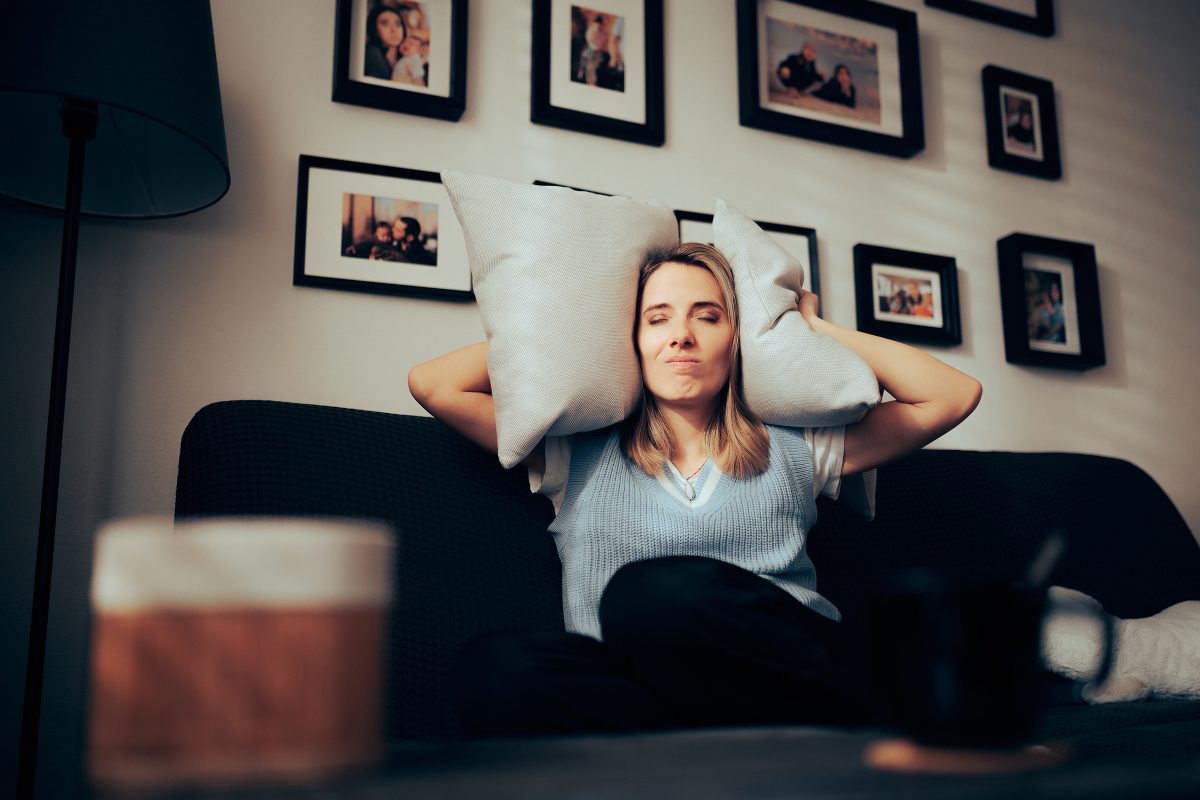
[{"x": 808, "y": 303}]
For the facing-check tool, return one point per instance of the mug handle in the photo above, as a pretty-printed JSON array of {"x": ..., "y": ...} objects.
[{"x": 1108, "y": 654}]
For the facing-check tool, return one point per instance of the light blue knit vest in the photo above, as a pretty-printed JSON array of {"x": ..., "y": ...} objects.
[{"x": 613, "y": 513}]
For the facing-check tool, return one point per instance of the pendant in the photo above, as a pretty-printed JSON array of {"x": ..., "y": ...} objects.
[{"x": 689, "y": 491}]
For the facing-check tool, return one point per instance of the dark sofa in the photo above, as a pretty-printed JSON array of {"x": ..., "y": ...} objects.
[{"x": 473, "y": 553}]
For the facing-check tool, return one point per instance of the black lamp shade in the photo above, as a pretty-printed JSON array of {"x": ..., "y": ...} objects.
[{"x": 150, "y": 66}]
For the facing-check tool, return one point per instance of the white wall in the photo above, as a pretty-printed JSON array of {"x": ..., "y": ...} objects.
[{"x": 175, "y": 314}]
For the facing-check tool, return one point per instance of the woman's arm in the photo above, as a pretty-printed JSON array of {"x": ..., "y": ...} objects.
[
  {"x": 931, "y": 397},
  {"x": 456, "y": 389}
]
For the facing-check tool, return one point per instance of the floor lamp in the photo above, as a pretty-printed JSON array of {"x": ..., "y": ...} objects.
[{"x": 133, "y": 85}]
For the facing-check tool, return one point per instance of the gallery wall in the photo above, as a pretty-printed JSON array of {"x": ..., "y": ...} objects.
[{"x": 174, "y": 314}]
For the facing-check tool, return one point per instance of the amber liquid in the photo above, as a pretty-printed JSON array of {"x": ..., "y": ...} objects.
[{"x": 183, "y": 696}]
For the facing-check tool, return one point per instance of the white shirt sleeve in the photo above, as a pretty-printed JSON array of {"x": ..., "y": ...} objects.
[
  {"x": 553, "y": 481},
  {"x": 827, "y": 446}
]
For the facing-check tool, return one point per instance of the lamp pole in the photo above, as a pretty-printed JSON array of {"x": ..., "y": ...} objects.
[{"x": 79, "y": 126}]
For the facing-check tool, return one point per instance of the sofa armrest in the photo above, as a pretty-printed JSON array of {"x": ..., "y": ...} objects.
[{"x": 472, "y": 549}]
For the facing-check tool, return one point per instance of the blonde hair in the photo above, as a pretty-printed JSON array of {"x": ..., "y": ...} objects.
[{"x": 736, "y": 438}]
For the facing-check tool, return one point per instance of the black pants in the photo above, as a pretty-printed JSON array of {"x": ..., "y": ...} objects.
[{"x": 688, "y": 641}]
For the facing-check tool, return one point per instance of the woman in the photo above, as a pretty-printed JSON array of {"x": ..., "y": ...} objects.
[
  {"x": 688, "y": 595},
  {"x": 839, "y": 88},
  {"x": 385, "y": 31}
]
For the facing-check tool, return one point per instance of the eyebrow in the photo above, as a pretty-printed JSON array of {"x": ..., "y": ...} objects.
[{"x": 701, "y": 304}]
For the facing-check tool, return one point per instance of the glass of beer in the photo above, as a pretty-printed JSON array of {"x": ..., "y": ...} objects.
[{"x": 236, "y": 650}]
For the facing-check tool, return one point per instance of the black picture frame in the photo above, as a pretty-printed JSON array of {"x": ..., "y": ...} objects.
[
  {"x": 325, "y": 222},
  {"x": 900, "y": 135},
  {"x": 352, "y": 84},
  {"x": 1029, "y": 338},
  {"x": 580, "y": 106},
  {"x": 1041, "y": 23},
  {"x": 931, "y": 317},
  {"x": 575, "y": 188},
  {"x": 809, "y": 258},
  {"x": 1007, "y": 93}
]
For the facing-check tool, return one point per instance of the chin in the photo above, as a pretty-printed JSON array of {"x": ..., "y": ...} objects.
[{"x": 690, "y": 397}]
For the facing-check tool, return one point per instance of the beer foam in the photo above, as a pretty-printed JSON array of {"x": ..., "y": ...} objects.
[{"x": 146, "y": 563}]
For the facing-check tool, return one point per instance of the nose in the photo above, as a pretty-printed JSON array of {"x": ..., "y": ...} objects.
[{"x": 681, "y": 334}]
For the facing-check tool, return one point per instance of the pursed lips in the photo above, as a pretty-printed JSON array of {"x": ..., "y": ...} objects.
[{"x": 684, "y": 362}]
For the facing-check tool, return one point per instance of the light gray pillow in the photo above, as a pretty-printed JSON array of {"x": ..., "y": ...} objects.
[
  {"x": 555, "y": 273},
  {"x": 791, "y": 374}
]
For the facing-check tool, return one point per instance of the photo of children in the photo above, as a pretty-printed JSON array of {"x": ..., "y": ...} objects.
[
  {"x": 397, "y": 46},
  {"x": 386, "y": 229},
  {"x": 908, "y": 296},
  {"x": 1020, "y": 123},
  {"x": 596, "y": 55},
  {"x": 819, "y": 70}
]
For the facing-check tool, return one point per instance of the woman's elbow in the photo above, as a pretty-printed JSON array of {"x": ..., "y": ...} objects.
[
  {"x": 420, "y": 385},
  {"x": 955, "y": 406},
  {"x": 968, "y": 398}
]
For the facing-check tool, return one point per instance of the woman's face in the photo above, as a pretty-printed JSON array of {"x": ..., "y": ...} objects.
[
  {"x": 683, "y": 336},
  {"x": 389, "y": 29},
  {"x": 843, "y": 77}
]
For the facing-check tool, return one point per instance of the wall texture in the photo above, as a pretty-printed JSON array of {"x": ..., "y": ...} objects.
[{"x": 175, "y": 314}]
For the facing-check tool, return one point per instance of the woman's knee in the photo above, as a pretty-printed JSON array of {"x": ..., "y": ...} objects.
[
  {"x": 655, "y": 598},
  {"x": 489, "y": 675},
  {"x": 513, "y": 683}
]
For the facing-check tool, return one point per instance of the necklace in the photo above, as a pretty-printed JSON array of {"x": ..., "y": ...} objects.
[{"x": 689, "y": 491}]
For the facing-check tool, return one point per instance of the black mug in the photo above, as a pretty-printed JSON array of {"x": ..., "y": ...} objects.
[{"x": 959, "y": 665}]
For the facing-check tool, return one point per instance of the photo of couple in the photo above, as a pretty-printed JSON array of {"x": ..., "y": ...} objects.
[
  {"x": 822, "y": 71},
  {"x": 397, "y": 48},
  {"x": 384, "y": 229}
]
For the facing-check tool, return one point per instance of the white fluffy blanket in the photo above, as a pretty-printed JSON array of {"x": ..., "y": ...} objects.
[{"x": 1156, "y": 657}]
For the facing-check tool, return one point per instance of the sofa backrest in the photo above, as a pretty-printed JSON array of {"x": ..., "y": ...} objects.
[
  {"x": 472, "y": 549},
  {"x": 473, "y": 552},
  {"x": 976, "y": 516}
]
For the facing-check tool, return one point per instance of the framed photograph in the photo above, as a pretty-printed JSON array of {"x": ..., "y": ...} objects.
[
  {"x": 1050, "y": 300},
  {"x": 800, "y": 242},
  {"x": 906, "y": 296},
  {"x": 1021, "y": 122},
  {"x": 402, "y": 55},
  {"x": 598, "y": 67},
  {"x": 1031, "y": 16},
  {"x": 846, "y": 72},
  {"x": 370, "y": 228},
  {"x": 565, "y": 186}
]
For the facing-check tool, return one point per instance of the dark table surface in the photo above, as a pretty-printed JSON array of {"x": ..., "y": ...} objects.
[{"x": 785, "y": 762}]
